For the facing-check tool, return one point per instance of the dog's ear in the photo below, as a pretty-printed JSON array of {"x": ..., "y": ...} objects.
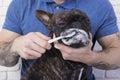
[{"x": 44, "y": 17}]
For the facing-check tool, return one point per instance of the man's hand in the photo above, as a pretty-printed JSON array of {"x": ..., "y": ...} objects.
[
  {"x": 84, "y": 54},
  {"x": 31, "y": 46},
  {"x": 106, "y": 59}
]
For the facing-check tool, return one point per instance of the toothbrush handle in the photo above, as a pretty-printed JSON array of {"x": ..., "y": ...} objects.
[{"x": 55, "y": 39}]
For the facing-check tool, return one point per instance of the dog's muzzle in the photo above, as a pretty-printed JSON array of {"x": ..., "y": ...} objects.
[{"x": 80, "y": 36}]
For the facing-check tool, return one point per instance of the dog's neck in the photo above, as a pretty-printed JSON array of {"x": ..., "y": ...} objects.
[{"x": 59, "y": 1}]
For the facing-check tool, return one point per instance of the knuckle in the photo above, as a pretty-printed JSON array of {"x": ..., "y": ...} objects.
[
  {"x": 65, "y": 56},
  {"x": 40, "y": 55},
  {"x": 28, "y": 44},
  {"x": 45, "y": 44},
  {"x": 43, "y": 50}
]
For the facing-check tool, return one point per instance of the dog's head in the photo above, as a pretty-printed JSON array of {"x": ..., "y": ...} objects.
[{"x": 66, "y": 22}]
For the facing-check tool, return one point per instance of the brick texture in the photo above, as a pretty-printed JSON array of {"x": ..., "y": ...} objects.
[
  {"x": 3, "y": 8},
  {"x": 13, "y": 73}
]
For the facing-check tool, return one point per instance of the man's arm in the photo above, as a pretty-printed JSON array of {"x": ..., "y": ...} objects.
[
  {"x": 110, "y": 55},
  {"x": 7, "y": 57},
  {"x": 28, "y": 46}
]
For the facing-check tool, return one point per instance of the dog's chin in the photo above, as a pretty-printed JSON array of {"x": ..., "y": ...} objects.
[{"x": 81, "y": 37}]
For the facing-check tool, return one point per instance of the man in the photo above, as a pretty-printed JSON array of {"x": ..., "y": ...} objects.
[{"x": 24, "y": 36}]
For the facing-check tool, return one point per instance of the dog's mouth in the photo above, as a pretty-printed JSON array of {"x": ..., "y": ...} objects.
[{"x": 80, "y": 36}]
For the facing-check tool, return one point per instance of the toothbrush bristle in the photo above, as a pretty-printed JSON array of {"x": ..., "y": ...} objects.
[{"x": 71, "y": 34}]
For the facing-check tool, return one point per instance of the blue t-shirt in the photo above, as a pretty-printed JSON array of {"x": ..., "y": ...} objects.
[{"x": 21, "y": 18}]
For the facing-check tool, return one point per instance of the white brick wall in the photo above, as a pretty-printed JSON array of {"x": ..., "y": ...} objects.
[
  {"x": 116, "y": 6},
  {"x": 3, "y": 8},
  {"x": 13, "y": 73}
]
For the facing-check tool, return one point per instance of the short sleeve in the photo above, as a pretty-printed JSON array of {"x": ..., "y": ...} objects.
[
  {"x": 12, "y": 20},
  {"x": 109, "y": 23}
]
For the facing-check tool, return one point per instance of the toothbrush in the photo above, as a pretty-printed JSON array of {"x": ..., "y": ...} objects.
[{"x": 61, "y": 37}]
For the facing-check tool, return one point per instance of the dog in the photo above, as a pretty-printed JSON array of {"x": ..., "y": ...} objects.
[{"x": 52, "y": 66}]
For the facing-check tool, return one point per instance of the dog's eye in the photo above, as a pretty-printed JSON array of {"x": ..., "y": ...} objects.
[{"x": 61, "y": 24}]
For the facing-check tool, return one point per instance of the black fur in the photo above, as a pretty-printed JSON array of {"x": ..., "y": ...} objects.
[{"x": 51, "y": 66}]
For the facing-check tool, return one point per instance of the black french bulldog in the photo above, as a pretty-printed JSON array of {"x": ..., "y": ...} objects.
[{"x": 52, "y": 66}]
